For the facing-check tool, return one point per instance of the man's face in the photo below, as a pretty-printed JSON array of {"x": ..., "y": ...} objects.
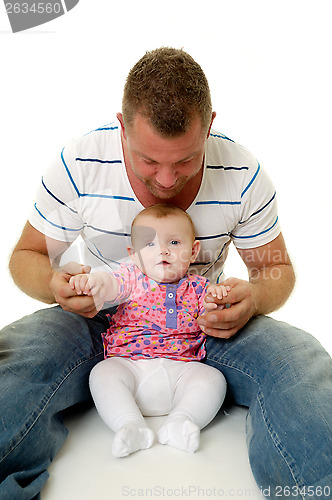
[{"x": 164, "y": 165}]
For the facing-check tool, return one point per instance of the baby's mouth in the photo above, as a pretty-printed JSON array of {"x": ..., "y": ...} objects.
[{"x": 164, "y": 263}]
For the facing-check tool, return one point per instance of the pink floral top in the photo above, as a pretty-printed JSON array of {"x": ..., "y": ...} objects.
[{"x": 156, "y": 319}]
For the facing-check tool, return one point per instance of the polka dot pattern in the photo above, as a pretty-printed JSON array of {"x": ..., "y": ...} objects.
[{"x": 140, "y": 327}]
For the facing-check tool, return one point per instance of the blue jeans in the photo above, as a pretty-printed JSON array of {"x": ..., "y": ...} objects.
[{"x": 281, "y": 373}]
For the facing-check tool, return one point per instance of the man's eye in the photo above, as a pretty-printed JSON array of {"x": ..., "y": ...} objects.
[{"x": 148, "y": 162}]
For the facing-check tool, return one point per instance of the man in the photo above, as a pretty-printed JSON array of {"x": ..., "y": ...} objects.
[{"x": 162, "y": 148}]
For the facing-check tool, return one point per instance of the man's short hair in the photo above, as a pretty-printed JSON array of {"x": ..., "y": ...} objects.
[{"x": 169, "y": 88}]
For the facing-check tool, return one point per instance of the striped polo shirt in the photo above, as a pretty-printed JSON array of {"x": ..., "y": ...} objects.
[{"x": 86, "y": 192}]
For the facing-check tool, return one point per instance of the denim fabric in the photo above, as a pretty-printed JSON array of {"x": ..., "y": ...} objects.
[
  {"x": 282, "y": 374},
  {"x": 45, "y": 361}
]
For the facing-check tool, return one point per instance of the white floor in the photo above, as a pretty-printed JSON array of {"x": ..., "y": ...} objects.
[{"x": 86, "y": 470}]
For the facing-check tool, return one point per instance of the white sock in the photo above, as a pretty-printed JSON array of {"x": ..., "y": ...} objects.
[
  {"x": 180, "y": 433},
  {"x": 130, "y": 438}
]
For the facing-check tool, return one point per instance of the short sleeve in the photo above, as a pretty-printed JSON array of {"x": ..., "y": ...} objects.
[
  {"x": 56, "y": 209},
  {"x": 258, "y": 224}
]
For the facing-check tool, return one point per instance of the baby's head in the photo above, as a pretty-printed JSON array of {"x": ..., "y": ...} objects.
[{"x": 163, "y": 242}]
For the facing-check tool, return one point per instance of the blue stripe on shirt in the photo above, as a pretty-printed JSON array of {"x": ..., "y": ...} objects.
[
  {"x": 109, "y": 196},
  {"x": 105, "y": 231},
  {"x": 218, "y": 167},
  {"x": 97, "y": 160},
  {"x": 251, "y": 182},
  {"x": 213, "y": 263},
  {"x": 57, "y": 199},
  {"x": 221, "y": 136},
  {"x": 69, "y": 174},
  {"x": 105, "y": 261},
  {"x": 80, "y": 195},
  {"x": 99, "y": 255},
  {"x": 258, "y": 234},
  {"x": 217, "y": 202},
  {"x": 106, "y": 128},
  {"x": 211, "y": 237},
  {"x": 56, "y": 225},
  {"x": 103, "y": 127},
  {"x": 260, "y": 210}
]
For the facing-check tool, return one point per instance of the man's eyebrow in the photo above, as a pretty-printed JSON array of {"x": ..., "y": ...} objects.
[
  {"x": 189, "y": 157},
  {"x": 147, "y": 158}
]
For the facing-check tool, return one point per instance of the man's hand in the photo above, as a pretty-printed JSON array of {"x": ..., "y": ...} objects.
[
  {"x": 271, "y": 280},
  {"x": 68, "y": 298},
  {"x": 241, "y": 306}
]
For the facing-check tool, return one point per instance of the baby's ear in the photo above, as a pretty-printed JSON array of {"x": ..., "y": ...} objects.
[
  {"x": 195, "y": 250},
  {"x": 131, "y": 253}
]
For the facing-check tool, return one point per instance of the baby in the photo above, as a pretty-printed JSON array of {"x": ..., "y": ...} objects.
[{"x": 154, "y": 345}]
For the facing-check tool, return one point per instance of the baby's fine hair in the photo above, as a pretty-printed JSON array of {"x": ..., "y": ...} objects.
[{"x": 163, "y": 210}]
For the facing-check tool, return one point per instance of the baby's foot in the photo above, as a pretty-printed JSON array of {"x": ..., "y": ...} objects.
[
  {"x": 182, "y": 434},
  {"x": 131, "y": 438}
]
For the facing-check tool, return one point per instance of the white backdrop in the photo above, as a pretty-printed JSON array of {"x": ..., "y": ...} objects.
[{"x": 269, "y": 67}]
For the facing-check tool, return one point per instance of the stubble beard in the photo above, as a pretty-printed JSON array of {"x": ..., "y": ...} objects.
[{"x": 165, "y": 194}]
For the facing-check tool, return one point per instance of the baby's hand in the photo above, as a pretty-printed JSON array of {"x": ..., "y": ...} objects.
[
  {"x": 87, "y": 284},
  {"x": 217, "y": 291}
]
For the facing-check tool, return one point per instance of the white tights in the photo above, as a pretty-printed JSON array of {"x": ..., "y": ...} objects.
[{"x": 190, "y": 393}]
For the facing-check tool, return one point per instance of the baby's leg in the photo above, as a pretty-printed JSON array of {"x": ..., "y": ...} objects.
[
  {"x": 112, "y": 383},
  {"x": 199, "y": 394}
]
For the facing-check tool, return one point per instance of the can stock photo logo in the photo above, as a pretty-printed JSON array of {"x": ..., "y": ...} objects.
[{"x": 28, "y": 14}]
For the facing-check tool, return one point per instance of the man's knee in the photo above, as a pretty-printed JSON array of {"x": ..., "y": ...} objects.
[{"x": 49, "y": 334}]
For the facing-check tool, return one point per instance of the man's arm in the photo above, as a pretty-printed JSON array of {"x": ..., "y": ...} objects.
[
  {"x": 30, "y": 264},
  {"x": 271, "y": 281},
  {"x": 33, "y": 266}
]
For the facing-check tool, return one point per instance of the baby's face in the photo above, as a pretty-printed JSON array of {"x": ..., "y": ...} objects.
[{"x": 163, "y": 247}]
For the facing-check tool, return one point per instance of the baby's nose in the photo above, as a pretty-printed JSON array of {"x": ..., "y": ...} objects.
[{"x": 164, "y": 250}]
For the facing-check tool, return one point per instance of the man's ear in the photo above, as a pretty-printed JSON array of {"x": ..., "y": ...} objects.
[
  {"x": 195, "y": 250},
  {"x": 214, "y": 114},
  {"x": 123, "y": 128}
]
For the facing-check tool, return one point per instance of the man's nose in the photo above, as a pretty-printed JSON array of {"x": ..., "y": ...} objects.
[{"x": 166, "y": 176}]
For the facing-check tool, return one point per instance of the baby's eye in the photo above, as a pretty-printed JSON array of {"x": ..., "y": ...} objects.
[
  {"x": 150, "y": 244},
  {"x": 175, "y": 242}
]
